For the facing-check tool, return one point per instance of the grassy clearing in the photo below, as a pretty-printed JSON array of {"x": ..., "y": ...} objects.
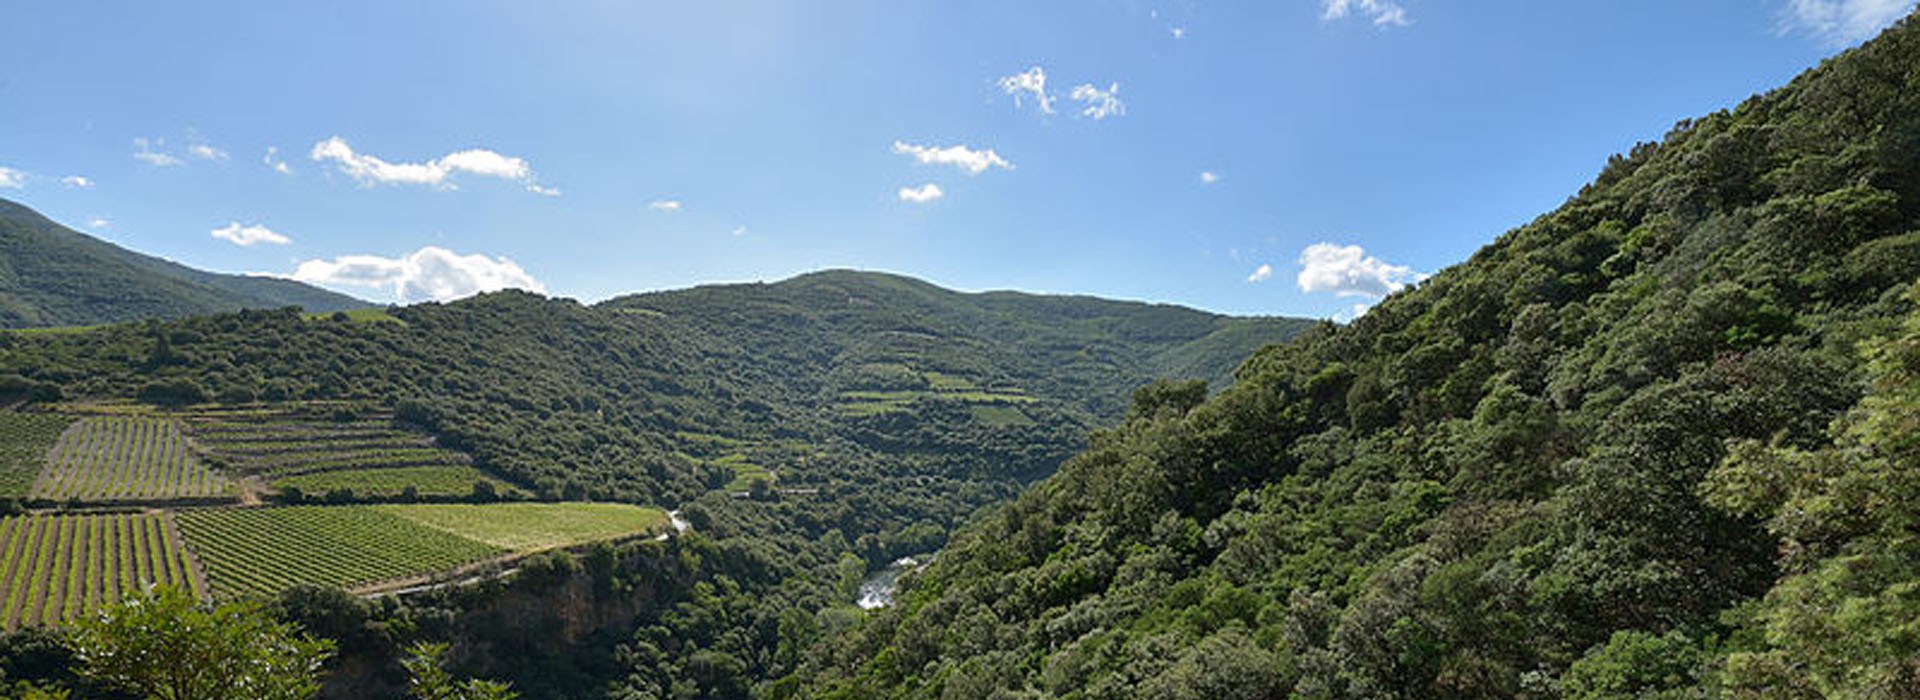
[
  {"x": 524, "y": 527},
  {"x": 361, "y": 316},
  {"x": 25, "y": 439}
]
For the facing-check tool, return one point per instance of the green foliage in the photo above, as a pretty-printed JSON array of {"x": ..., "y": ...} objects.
[
  {"x": 1593, "y": 461},
  {"x": 163, "y": 645},
  {"x": 430, "y": 680}
]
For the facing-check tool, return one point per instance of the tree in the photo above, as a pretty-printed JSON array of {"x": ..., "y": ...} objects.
[
  {"x": 163, "y": 645},
  {"x": 426, "y": 663}
]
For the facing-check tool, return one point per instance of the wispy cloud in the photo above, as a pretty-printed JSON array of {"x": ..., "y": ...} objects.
[
  {"x": 922, "y": 194},
  {"x": 1100, "y": 104},
  {"x": 1260, "y": 274},
  {"x": 1208, "y": 177},
  {"x": 1348, "y": 271},
  {"x": 248, "y": 236},
  {"x": 430, "y": 273},
  {"x": 12, "y": 179},
  {"x": 970, "y": 161},
  {"x": 98, "y": 222},
  {"x": 272, "y": 160},
  {"x": 79, "y": 182},
  {"x": 206, "y": 152},
  {"x": 150, "y": 151},
  {"x": 739, "y": 231},
  {"x": 1383, "y": 13},
  {"x": 664, "y": 205},
  {"x": 1031, "y": 82},
  {"x": 1841, "y": 22},
  {"x": 371, "y": 170}
]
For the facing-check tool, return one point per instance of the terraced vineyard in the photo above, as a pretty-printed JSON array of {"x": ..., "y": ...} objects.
[
  {"x": 262, "y": 551},
  {"x": 55, "y": 569},
  {"x": 364, "y": 454},
  {"x": 447, "y": 481},
  {"x": 126, "y": 458},
  {"x": 24, "y": 441}
]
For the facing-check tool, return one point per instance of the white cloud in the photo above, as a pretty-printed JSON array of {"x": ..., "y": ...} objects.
[
  {"x": 430, "y": 273},
  {"x": 1261, "y": 274},
  {"x": 1100, "y": 104},
  {"x": 145, "y": 152},
  {"x": 1384, "y": 13},
  {"x": 1349, "y": 272},
  {"x": 739, "y": 231},
  {"x": 1179, "y": 32},
  {"x": 12, "y": 179},
  {"x": 272, "y": 160},
  {"x": 77, "y": 181},
  {"x": 371, "y": 170},
  {"x": 968, "y": 160},
  {"x": 922, "y": 194},
  {"x": 206, "y": 152},
  {"x": 664, "y": 205},
  {"x": 1032, "y": 82},
  {"x": 98, "y": 222},
  {"x": 247, "y": 236},
  {"x": 1841, "y": 22},
  {"x": 1208, "y": 177}
]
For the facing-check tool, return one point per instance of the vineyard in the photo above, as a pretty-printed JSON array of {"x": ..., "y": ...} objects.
[
  {"x": 55, "y": 569},
  {"x": 126, "y": 458},
  {"x": 24, "y": 441},
  {"x": 524, "y": 527},
  {"x": 364, "y": 454},
  {"x": 267, "y": 550},
  {"x": 447, "y": 481}
]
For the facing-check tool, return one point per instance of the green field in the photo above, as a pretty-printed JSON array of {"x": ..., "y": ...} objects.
[
  {"x": 526, "y": 527},
  {"x": 262, "y": 551},
  {"x": 55, "y": 569},
  {"x": 24, "y": 441},
  {"x": 869, "y": 402},
  {"x": 446, "y": 481},
  {"x": 123, "y": 458}
]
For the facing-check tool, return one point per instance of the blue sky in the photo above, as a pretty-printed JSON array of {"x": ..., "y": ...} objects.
[{"x": 1195, "y": 153}]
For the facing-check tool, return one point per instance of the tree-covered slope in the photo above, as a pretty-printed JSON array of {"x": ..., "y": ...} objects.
[
  {"x": 51, "y": 275},
  {"x": 1656, "y": 444}
]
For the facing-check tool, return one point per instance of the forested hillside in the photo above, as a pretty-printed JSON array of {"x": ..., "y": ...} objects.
[
  {"x": 51, "y": 275},
  {"x": 1658, "y": 443},
  {"x": 811, "y": 430}
]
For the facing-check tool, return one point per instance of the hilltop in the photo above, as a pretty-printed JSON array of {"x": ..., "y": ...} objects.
[{"x": 51, "y": 275}]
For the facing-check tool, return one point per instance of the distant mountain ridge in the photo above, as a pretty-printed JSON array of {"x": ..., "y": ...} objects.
[{"x": 52, "y": 275}]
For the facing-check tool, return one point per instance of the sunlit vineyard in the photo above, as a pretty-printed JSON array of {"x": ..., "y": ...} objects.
[
  {"x": 56, "y": 569},
  {"x": 386, "y": 483},
  {"x": 267, "y": 550},
  {"x": 124, "y": 458},
  {"x": 24, "y": 441},
  {"x": 526, "y": 527}
]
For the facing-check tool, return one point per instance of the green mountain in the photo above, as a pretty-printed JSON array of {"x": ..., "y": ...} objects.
[
  {"x": 1658, "y": 443},
  {"x": 810, "y": 430},
  {"x": 51, "y": 275}
]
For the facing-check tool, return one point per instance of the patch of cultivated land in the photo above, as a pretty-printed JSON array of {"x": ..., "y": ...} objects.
[
  {"x": 55, "y": 569},
  {"x": 126, "y": 458},
  {"x": 268, "y": 550},
  {"x": 389, "y": 483},
  {"x": 24, "y": 441},
  {"x": 525, "y": 527},
  {"x": 262, "y": 551}
]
